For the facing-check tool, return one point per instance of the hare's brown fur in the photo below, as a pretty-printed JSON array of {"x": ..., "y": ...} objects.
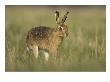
[{"x": 47, "y": 38}]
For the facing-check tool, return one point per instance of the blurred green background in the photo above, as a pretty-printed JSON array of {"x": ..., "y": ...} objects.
[{"x": 83, "y": 50}]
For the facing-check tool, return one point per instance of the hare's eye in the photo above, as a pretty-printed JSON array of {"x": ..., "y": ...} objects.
[{"x": 60, "y": 28}]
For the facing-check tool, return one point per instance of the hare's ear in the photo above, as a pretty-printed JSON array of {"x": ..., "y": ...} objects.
[
  {"x": 57, "y": 17},
  {"x": 64, "y": 18}
]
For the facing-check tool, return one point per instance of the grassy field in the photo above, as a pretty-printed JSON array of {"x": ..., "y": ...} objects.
[{"x": 83, "y": 50}]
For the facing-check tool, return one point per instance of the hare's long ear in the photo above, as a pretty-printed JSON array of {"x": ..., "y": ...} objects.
[
  {"x": 57, "y": 17},
  {"x": 64, "y": 18}
]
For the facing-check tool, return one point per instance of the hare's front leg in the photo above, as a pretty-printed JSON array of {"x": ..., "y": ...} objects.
[
  {"x": 35, "y": 51},
  {"x": 54, "y": 53}
]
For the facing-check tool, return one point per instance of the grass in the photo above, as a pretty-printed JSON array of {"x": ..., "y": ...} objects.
[{"x": 83, "y": 50}]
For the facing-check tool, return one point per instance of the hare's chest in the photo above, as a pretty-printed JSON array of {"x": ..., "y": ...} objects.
[{"x": 57, "y": 41}]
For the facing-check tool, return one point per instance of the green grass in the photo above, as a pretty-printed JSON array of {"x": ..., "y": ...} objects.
[{"x": 83, "y": 50}]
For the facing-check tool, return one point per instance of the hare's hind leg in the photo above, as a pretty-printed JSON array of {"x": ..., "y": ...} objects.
[
  {"x": 46, "y": 55},
  {"x": 35, "y": 51}
]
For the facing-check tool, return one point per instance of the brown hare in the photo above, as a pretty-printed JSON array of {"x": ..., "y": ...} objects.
[{"x": 46, "y": 38}]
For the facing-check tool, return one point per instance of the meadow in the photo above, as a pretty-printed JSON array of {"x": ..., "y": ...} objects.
[{"x": 84, "y": 50}]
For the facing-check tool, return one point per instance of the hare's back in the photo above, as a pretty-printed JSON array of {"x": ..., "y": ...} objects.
[{"x": 41, "y": 32}]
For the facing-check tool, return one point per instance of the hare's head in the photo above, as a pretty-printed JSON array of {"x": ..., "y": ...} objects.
[{"x": 61, "y": 27}]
